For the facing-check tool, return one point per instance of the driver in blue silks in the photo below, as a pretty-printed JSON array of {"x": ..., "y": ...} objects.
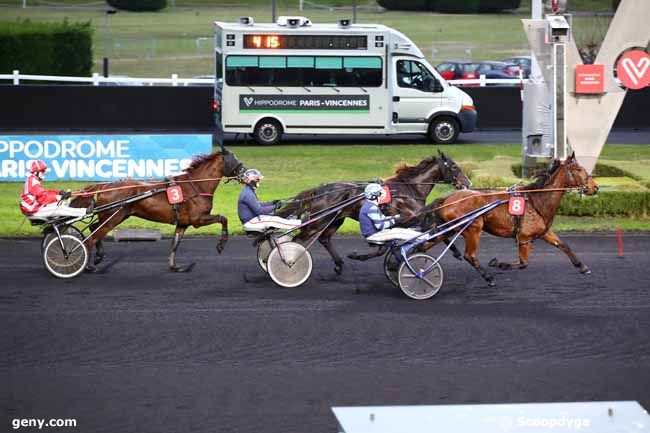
[{"x": 257, "y": 216}]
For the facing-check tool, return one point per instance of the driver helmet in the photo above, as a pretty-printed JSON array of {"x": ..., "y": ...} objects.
[
  {"x": 373, "y": 191},
  {"x": 252, "y": 176},
  {"x": 37, "y": 167}
]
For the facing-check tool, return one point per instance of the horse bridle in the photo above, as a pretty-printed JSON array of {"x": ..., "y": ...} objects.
[
  {"x": 447, "y": 173},
  {"x": 581, "y": 187}
]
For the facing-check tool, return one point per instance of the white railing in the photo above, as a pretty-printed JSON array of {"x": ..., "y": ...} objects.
[{"x": 97, "y": 79}]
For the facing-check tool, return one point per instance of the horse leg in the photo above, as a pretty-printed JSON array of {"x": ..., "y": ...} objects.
[
  {"x": 325, "y": 240},
  {"x": 95, "y": 241},
  {"x": 555, "y": 240},
  {"x": 472, "y": 237},
  {"x": 178, "y": 236},
  {"x": 99, "y": 246},
  {"x": 453, "y": 249},
  {"x": 524, "y": 251},
  {"x": 206, "y": 220}
]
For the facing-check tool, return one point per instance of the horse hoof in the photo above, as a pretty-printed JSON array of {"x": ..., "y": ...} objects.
[
  {"x": 494, "y": 262},
  {"x": 182, "y": 269},
  {"x": 492, "y": 283},
  {"x": 585, "y": 270},
  {"x": 458, "y": 256},
  {"x": 338, "y": 269},
  {"x": 90, "y": 269},
  {"x": 99, "y": 259}
]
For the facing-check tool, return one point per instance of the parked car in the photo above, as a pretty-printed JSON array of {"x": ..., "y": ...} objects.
[
  {"x": 455, "y": 70},
  {"x": 524, "y": 62},
  {"x": 496, "y": 70}
]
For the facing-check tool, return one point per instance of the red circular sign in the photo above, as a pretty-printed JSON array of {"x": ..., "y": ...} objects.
[{"x": 633, "y": 69}]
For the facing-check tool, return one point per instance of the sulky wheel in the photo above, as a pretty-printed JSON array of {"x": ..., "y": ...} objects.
[
  {"x": 391, "y": 267},
  {"x": 264, "y": 249},
  {"x": 67, "y": 260},
  {"x": 67, "y": 230},
  {"x": 424, "y": 286},
  {"x": 289, "y": 264}
]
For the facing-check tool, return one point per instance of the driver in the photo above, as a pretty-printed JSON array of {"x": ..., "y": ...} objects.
[
  {"x": 256, "y": 216},
  {"x": 37, "y": 202},
  {"x": 375, "y": 226}
]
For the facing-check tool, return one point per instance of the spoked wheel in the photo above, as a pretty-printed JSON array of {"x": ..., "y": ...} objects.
[
  {"x": 391, "y": 268},
  {"x": 289, "y": 264},
  {"x": 67, "y": 260},
  {"x": 264, "y": 249},
  {"x": 68, "y": 230},
  {"x": 423, "y": 286}
]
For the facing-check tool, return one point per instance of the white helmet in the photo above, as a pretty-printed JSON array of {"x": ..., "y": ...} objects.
[
  {"x": 373, "y": 191},
  {"x": 252, "y": 175}
]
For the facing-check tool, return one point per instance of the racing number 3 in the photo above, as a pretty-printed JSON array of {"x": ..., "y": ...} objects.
[
  {"x": 516, "y": 205},
  {"x": 174, "y": 194}
]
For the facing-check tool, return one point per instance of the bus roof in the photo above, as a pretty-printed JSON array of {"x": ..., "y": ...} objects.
[{"x": 313, "y": 28}]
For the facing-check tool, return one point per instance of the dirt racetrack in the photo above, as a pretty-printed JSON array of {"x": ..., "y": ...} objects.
[{"x": 138, "y": 349}]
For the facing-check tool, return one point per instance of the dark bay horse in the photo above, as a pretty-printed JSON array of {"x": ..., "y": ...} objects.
[
  {"x": 535, "y": 223},
  {"x": 409, "y": 188},
  {"x": 198, "y": 183}
]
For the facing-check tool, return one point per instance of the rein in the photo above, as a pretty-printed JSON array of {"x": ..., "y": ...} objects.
[
  {"x": 83, "y": 193},
  {"x": 498, "y": 193}
]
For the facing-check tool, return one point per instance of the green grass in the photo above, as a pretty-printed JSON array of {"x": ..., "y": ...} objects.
[
  {"x": 292, "y": 168},
  {"x": 158, "y": 44}
]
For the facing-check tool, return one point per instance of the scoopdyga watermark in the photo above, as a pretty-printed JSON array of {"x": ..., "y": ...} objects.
[{"x": 507, "y": 423}]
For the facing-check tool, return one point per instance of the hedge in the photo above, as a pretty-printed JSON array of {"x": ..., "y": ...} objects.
[
  {"x": 46, "y": 48},
  {"x": 601, "y": 170},
  {"x": 138, "y": 5},
  {"x": 451, "y": 6},
  {"x": 607, "y": 203}
]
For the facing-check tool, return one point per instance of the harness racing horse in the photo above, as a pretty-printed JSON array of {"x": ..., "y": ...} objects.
[
  {"x": 542, "y": 199},
  {"x": 198, "y": 183},
  {"x": 409, "y": 188}
]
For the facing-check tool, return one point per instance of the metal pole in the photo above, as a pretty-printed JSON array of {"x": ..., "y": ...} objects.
[
  {"x": 272, "y": 11},
  {"x": 105, "y": 64},
  {"x": 536, "y": 8},
  {"x": 354, "y": 11}
]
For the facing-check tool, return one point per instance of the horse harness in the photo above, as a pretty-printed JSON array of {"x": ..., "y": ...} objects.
[{"x": 171, "y": 181}]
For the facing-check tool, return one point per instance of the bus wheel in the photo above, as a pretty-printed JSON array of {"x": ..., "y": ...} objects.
[
  {"x": 444, "y": 130},
  {"x": 267, "y": 131}
]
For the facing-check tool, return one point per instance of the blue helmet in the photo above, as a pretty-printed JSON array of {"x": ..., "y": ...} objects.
[{"x": 373, "y": 191}]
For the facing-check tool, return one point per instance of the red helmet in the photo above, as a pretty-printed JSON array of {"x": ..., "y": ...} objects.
[{"x": 37, "y": 166}]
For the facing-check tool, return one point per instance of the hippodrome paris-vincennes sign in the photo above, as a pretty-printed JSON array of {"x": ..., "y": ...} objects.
[
  {"x": 100, "y": 157},
  {"x": 304, "y": 103}
]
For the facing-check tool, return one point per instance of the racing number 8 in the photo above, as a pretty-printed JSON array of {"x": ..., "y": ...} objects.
[{"x": 516, "y": 205}]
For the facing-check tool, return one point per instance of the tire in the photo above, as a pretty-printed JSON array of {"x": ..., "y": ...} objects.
[
  {"x": 391, "y": 268},
  {"x": 444, "y": 130},
  {"x": 297, "y": 268},
  {"x": 68, "y": 230},
  {"x": 267, "y": 132},
  {"x": 425, "y": 286},
  {"x": 264, "y": 249},
  {"x": 61, "y": 266}
]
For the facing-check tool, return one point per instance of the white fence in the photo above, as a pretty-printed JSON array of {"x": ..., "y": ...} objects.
[{"x": 97, "y": 80}]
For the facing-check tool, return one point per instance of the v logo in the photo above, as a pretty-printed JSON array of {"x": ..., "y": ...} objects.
[
  {"x": 248, "y": 100},
  {"x": 636, "y": 71}
]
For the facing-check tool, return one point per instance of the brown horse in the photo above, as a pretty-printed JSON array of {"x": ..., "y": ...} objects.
[
  {"x": 198, "y": 183},
  {"x": 409, "y": 187},
  {"x": 535, "y": 223}
]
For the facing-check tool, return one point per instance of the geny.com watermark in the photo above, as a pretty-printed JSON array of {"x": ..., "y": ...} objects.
[
  {"x": 17, "y": 423},
  {"x": 506, "y": 422}
]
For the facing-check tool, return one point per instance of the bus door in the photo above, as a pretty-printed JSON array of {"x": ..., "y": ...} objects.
[{"x": 416, "y": 93}]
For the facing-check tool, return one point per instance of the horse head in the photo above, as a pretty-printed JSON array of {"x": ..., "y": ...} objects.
[
  {"x": 578, "y": 176},
  {"x": 232, "y": 166},
  {"x": 452, "y": 173}
]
